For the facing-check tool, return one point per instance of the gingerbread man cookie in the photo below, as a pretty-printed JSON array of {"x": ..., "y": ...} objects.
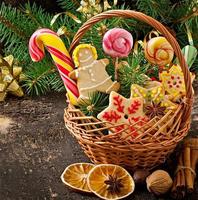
[
  {"x": 173, "y": 82},
  {"x": 91, "y": 74},
  {"x": 124, "y": 111}
]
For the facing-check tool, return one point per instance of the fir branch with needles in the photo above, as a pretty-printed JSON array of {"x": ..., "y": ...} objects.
[
  {"x": 36, "y": 80},
  {"x": 70, "y": 5},
  {"x": 95, "y": 104},
  {"x": 157, "y": 9},
  {"x": 133, "y": 71}
]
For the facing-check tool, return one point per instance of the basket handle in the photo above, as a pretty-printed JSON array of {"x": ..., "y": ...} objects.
[{"x": 155, "y": 24}]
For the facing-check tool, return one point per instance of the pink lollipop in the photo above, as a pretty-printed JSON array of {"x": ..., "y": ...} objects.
[{"x": 117, "y": 43}]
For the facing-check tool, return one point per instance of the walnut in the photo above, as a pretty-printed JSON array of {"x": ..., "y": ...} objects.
[
  {"x": 140, "y": 175},
  {"x": 159, "y": 182}
]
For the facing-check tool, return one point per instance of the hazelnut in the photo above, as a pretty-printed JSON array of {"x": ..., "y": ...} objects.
[
  {"x": 140, "y": 175},
  {"x": 159, "y": 182}
]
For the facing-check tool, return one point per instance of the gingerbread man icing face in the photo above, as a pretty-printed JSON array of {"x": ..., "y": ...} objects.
[{"x": 85, "y": 56}]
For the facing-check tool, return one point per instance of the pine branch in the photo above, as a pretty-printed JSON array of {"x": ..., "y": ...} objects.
[
  {"x": 133, "y": 72},
  {"x": 95, "y": 104},
  {"x": 17, "y": 27},
  {"x": 37, "y": 78},
  {"x": 56, "y": 83},
  {"x": 68, "y": 4},
  {"x": 157, "y": 9},
  {"x": 37, "y": 15},
  {"x": 11, "y": 26}
]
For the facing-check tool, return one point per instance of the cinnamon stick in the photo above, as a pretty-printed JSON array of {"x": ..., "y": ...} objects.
[
  {"x": 178, "y": 180},
  {"x": 194, "y": 159},
  {"x": 181, "y": 163},
  {"x": 184, "y": 179},
  {"x": 178, "y": 189},
  {"x": 174, "y": 190},
  {"x": 188, "y": 173}
]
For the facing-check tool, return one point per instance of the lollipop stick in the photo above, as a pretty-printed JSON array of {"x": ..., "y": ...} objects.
[{"x": 116, "y": 68}]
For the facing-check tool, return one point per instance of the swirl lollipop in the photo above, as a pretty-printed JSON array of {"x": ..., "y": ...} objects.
[
  {"x": 117, "y": 43},
  {"x": 159, "y": 51}
]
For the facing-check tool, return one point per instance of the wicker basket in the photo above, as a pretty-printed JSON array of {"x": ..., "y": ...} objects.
[{"x": 158, "y": 137}]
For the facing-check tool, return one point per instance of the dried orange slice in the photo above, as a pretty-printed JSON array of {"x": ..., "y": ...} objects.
[
  {"x": 75, "y": 176},
  {"x": 110, "y": 182}
]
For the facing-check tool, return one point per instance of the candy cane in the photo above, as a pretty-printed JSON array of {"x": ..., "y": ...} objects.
[{"x": 55, "y": 46}]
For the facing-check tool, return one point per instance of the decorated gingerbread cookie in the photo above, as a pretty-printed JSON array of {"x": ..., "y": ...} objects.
[
  {"x": 153, "y": 91},
  {"x": 91, "y": 74},
  {"x": 173, "y": 82},
  {"x": 124, "y": 111}
]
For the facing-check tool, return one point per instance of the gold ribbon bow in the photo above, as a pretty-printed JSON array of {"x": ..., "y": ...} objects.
[{"x": 9, "y": 77}]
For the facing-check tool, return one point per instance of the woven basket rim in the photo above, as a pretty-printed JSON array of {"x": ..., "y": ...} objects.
[{"x": 182, "y": 122}]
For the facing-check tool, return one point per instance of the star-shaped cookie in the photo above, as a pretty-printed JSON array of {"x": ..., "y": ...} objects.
[
  {"x": 153, "y": 91},
  {"x": 124, "y": 111}
]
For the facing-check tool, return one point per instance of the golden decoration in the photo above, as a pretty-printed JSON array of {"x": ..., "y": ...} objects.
[
  {"x": 93, "y": 7},
  {"x": 9, "y": 77},
  {"x": 102, "y": 29},
  {"x": 74, "y": 17}
]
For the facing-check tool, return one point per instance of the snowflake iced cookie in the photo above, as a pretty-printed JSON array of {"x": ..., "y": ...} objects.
[
  {"x": 173, "y": 82},
  {"x": 91, "y": 74},
  {"x": 124, "y": 111},
  {"x": 153, "y": 91}
]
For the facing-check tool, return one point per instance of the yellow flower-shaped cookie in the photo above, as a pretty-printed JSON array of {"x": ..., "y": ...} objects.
[
  {"x": 173, "y": 82},
  {"x": 153, "y": 91}
]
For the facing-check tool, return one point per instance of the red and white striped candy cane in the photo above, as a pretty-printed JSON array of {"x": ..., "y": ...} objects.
[{"x": 49, "y": 39}]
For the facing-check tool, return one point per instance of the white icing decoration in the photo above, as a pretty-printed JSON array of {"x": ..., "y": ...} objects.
[
  {"x": 77, "y": 74},
  {"x": 109, "y": 88},
  {"x": 103, "y": 62},
  {"x": 95, "y": 86},
  {"x": 86, "y": 59}
]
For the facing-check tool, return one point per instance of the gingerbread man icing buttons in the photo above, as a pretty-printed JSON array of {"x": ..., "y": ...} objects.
[
  {"x": 153, "y": 91},
  {"x": 173, "y": 82},
  {"x": 124, "y": 111},
  {"x": 91, "y": 74}
]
